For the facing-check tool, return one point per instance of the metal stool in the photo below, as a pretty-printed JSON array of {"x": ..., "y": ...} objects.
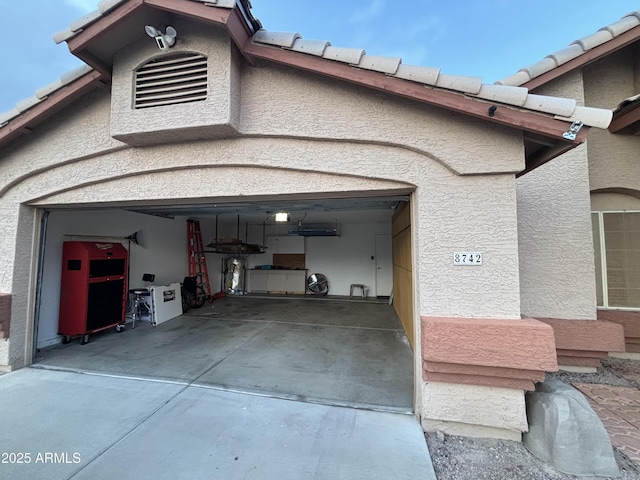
[
  {"x": 363, "y": 290},
  {"x": 139, "y": 303}
]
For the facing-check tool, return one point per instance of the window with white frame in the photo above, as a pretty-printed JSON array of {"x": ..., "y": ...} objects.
[{"x": 616, "y": 241}]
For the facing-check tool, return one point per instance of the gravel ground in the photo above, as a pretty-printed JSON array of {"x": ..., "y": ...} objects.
[{"x": 461, "y": 458}]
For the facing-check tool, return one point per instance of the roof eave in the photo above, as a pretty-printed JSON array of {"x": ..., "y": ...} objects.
[
  {"x": 233, "y": 20},
  {"x": 547, "y": 132},
  {"x": 511, "y": 117},
  {"x": 625, "y": 117},
  {"x": 79, "y": 44},
  {"x": 551, "y": 152},
  {"x": 48, "y": 107},
  {"x": 601, "y": 51}
]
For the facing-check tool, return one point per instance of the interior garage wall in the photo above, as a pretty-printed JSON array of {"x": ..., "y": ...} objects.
[
  {"x": 403, "y": 270},
  {"x": 344, "y": 259},
  {"x": 162, "y": 252},
  {"x": 347, "y": 259}
]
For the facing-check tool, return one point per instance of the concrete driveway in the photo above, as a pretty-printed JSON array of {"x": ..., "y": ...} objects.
[{"x": 62, "y": 425}]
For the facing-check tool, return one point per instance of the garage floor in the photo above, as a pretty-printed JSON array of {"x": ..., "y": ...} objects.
[{"x": 314, "y": 349}]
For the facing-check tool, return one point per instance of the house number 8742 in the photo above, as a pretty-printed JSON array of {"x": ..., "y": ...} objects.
[{"x": 467, "y": 258}]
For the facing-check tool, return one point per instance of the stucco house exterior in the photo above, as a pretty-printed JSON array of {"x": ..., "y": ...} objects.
[
  {"x": 603, "y": 177},
  {"x": 265, "y": 118}
]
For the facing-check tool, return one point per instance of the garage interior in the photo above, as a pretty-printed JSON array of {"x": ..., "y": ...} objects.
[{"x": 345, "y": 346}]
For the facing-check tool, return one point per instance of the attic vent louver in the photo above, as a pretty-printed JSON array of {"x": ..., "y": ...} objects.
[{"x": 171, "y": 80}]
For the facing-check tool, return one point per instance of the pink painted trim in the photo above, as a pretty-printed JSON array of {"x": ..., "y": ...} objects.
[
  {"x": 495, "y": 353},
  {"x": 575, "y": 361},
  {"x": 587, "y": 335},
  {"x": 630, "y": 321},
  {"x": 524, "y": 344},
  {"x": 581, "y": 353},
  {"x": 497, "y": 382},
  {"x": 451, "y": 368},
  {"x": 578, "y": 358}
]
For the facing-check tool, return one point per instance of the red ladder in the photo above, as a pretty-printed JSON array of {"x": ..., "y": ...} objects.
[{"x": 197, "y": 260}]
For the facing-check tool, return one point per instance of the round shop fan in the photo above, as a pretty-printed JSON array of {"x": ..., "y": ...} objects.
[{"x": 317, "y": 284}]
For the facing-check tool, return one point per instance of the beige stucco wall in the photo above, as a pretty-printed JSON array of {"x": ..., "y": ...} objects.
[
  {"x": 86, "y": 135},
  {"x": 474, "y": 411},
  {"x": 287, "y": 102},
  {"x": 613, "y": 158},
  {"x": 557, "y": 275},
  {"x": 298, "y": 133},
  {"x": 556, "y": 252},
  {"x": 19, "y": 252}
]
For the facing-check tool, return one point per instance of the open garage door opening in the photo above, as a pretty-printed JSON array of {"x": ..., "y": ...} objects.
[{"x": 303, "y": 308}]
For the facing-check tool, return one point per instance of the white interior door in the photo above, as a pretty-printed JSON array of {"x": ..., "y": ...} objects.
[{"x": 384, "y": 265}]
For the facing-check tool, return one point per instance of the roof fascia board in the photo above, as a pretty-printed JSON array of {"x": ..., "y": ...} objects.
[
  {"x": 57, "y": 100},
  {"x": 192, "y": 9},
  {"x": 626, "y": 118},
  {"x": 523, "y": 120},
  {"x": 84, "y": 38},
  {"x": 240, "y": 33},
  {"x": 586, "y": 58}
]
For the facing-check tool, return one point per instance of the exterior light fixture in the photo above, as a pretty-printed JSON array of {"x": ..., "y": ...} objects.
[
  {"x": 282, "y": 217},
  {"x": 163, "y": 40}
]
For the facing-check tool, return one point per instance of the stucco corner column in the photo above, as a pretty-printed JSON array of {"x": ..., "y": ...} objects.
[
  {"x": 476, "y": 371},
  {"x": 5, "y": 323},
  {"x": 582, "y": 344}
]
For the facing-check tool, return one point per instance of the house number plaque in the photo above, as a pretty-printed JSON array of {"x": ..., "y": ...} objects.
[{"x": 467, "y": 258}]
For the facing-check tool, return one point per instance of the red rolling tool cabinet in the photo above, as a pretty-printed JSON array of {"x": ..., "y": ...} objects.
[{"x": 93, "y": 291}]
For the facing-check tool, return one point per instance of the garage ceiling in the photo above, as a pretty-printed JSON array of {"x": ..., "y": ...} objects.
[{"x": 350, "y": 210}]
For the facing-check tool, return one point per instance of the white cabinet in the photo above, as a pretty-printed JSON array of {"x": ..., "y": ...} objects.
[
  {"x": 296, "y": 281},
  {"x": 277, "y": 281},
  {"x": 258, "y": 281}
]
